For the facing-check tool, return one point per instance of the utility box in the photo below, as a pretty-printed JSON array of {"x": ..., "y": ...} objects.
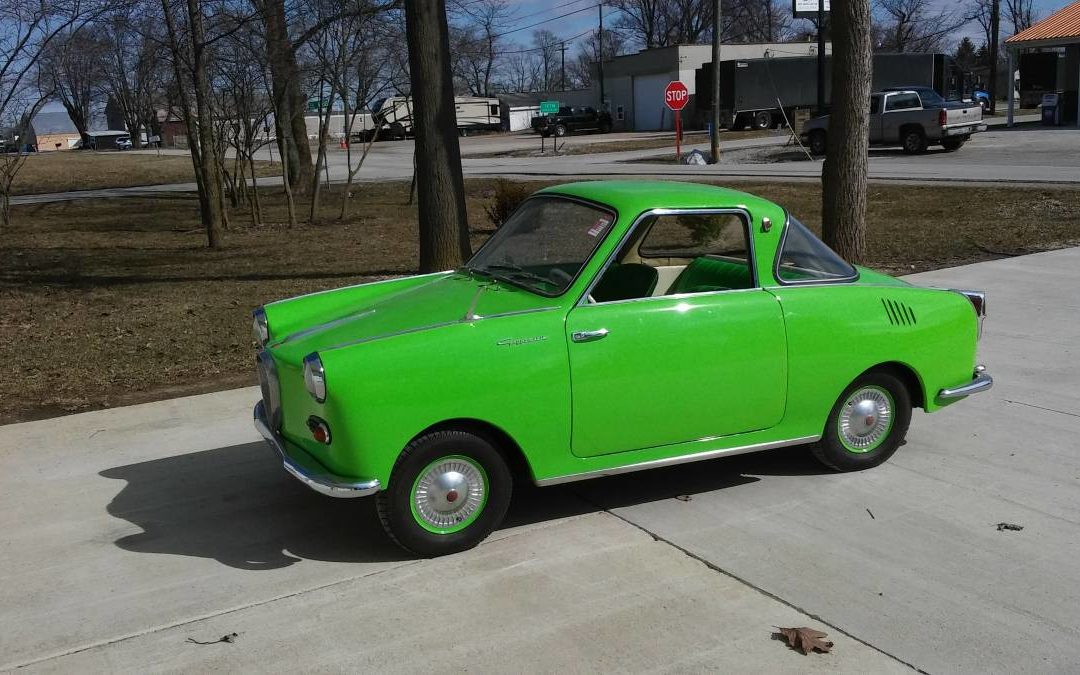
[{"x": 1051, "y": 110}]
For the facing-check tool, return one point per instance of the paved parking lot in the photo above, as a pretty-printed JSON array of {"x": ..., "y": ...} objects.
[{"x": 125, "y": 532}]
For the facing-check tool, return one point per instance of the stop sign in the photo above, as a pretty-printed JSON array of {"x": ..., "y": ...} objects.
[{"x": 676, "y": 95}]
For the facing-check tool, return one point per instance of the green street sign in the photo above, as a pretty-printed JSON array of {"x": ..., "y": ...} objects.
[{"x": 549, "y": 107}]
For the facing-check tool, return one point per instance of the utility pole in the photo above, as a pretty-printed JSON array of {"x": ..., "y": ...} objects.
[
  {"x": 995, "y": 28},
  {"x": 714, "y": 135},
  {"x": 821, "y": 57},
  {"x": 600, "y": 53},
  {"x": 562, "y": 66}
]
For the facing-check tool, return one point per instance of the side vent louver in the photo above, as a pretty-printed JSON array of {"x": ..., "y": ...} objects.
[{"x": 899, "y": 314}]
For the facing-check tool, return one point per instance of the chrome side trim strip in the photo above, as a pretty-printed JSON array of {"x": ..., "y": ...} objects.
[
  {"x": 672, "y": 461},
  {"x": 981, "y": 382},
  {"x": 323, "y": 327},
  {"x": 326, "y": 484}
]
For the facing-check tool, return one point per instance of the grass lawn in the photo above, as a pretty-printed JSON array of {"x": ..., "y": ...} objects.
[
  {"x": 109, "y": 302},
  {"x": 88, "y": 170}
]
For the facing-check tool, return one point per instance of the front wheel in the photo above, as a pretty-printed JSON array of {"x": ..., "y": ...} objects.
[
  {"x": 867, "y": 424},
  {"x": 762, "y": 119},
  {"x": 561, "y": 130},
  {"x": 817, "y": 142},
  {"x": 448, "y": 491}
]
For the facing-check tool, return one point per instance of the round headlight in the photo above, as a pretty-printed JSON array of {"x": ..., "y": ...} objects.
[
  {"x": 260, "y": 330},
  {"x": 315, "y": 377}
]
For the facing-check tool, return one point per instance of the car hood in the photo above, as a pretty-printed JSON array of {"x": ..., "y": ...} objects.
[{"x": 444, "y": 300}]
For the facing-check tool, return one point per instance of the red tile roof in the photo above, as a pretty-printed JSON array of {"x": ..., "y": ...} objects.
[{"x": 1064, "y": 23}]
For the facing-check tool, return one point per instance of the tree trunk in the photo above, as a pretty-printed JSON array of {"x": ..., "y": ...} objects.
[
  {"x": 211, "y": 181},
  {"x": 444, "y": 230},
  {"x": 289, "y": 101},
  {"x": 843, "y": 178}
]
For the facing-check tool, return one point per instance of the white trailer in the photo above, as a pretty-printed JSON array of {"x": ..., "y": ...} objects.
[{"x": 473, "y": 114}]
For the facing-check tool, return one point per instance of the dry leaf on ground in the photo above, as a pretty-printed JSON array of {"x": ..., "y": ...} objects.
[{"x": 804, "y": 639}]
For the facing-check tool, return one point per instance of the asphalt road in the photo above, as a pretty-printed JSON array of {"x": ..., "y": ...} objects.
[
  {"x": 125, "y": 532},
  {"x": 1024, "y": 155}
]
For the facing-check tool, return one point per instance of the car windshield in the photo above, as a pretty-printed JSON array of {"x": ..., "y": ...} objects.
[
  {"x": 930, "y": 97},
  {"x": 544, "y": 244},
  {"x": 805, "y": 258}
]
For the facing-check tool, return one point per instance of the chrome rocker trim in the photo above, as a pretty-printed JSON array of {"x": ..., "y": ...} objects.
[
  {"x": 980, "y": 382},
  {"x": 326, "y": 484}
]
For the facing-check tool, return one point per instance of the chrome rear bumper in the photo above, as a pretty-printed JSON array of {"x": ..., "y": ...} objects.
[
  {"x": 319, "y": 481},
  {"x": 980, "y": 382}
]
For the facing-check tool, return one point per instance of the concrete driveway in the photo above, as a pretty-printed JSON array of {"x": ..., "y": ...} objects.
[{"x": 125, "y": 532}]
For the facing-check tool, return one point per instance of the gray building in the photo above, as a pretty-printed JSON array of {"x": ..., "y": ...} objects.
[{"x": 634, "y": 83}]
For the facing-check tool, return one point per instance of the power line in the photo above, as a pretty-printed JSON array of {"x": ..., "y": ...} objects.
[
  {"x": 552, "y": 46},
  {"x": 554, "y": 18}
]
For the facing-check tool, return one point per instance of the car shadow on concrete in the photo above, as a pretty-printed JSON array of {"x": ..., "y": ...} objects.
[{"x": 237, "y": 505}]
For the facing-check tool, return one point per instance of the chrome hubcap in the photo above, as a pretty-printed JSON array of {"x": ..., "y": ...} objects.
[
  {"x": 449, "y": 493},
  {"x": 865, "y": 418}
]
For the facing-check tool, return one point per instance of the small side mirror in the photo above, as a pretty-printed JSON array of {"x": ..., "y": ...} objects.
[{"x": 766, "y": 224}]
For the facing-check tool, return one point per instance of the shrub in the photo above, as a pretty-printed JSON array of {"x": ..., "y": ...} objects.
[{"x": 508, "y": 196}]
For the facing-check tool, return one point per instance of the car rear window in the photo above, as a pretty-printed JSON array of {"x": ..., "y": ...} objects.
[{"x": 803, "y": 258}]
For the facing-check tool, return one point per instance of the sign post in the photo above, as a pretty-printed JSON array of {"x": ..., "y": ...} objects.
[
  {"x": 815, "y": 9},
  {"x": 547, "y": 108},
  {"x": 676, "y": 96}
]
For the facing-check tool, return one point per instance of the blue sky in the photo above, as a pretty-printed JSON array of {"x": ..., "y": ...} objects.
[{"x": 533, "y": 11}]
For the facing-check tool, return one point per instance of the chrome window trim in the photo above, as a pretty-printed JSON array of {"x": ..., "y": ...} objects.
[
  {"x": 607, "y": 208},
  {"x": 816, "y": 282},
  {"x": 748, "y": 221},
  {"x": 679, "y": 459}
]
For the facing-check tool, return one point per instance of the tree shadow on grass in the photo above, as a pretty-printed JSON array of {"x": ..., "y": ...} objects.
[{"x": 237, "y": 505}]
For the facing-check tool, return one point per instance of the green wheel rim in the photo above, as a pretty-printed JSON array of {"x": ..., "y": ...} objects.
[
  {"x": 449, "y": 494},
  {"x": 865, "y": 420}
]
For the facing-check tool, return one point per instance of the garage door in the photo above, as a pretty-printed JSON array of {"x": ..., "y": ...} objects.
[{"x": 650, "y": 113}]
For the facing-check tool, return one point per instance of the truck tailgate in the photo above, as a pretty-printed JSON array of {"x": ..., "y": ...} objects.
[{"x": 971, "y": 114}]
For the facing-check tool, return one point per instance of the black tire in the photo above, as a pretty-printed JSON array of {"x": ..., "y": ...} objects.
[
  {"x": 952, "y": 144},
  {"x": 395, "y": 504},
  {"x": 561, "y": 130},
  {"x": 762, "y": 119},
  {"x": 397, "y": 131},
  {"x": 840, "y": 455},
  {"x": 818, "y": 142},
  {"x": 739, "y": 122},
  {"x": 913, "y": 141}
]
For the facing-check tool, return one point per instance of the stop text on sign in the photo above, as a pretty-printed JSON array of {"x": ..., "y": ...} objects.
[{"x": 676, "y": 95}]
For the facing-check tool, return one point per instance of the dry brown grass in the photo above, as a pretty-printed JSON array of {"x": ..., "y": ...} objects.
[
  {"x": 108, "y": 302},
  {"x": 88, "y": 170}
]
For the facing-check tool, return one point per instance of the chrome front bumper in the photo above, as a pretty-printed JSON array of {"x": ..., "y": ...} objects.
[
  {"x": 319, "y": 481},
  {"x": 980, "y": 381}
]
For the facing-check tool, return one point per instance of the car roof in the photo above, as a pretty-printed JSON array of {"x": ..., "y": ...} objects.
[{"x": 633, "y": 197}]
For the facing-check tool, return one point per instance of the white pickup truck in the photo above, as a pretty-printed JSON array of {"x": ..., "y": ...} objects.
[{"x": 912, "y": 118}]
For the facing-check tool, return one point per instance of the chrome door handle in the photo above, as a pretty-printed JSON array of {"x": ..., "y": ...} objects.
[{"x": 589, "y": 335}]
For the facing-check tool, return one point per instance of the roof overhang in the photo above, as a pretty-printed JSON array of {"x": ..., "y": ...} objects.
[{"x": 1049, "y": 42}]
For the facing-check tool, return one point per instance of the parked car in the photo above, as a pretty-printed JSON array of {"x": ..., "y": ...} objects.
[
  {"x": 606, "y": 327},
  {"x": 123, "y": 143},
  {"x": 982, "y": 97},
  {"x": 572, "y": 119},
  {"x": 912, "y": 118}
]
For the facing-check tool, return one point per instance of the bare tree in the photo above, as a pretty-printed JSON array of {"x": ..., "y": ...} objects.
[
  {"x": 843, "y": 178},
  {"x": 70, "y": 67},
  {"x": 916, "y": 25},
  {"x": 475, "y": 42},
  {"x": 661, "y": 23},
  {"x": 581, "y": 67},
  {"x": 132, "y": 66},
  {"x": 26, "y": 30},
  {"x": 444, "y": 230},
  {"x": 1020, "y": 14}
]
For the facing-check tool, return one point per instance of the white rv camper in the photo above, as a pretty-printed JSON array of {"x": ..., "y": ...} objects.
[{"x": 473, "y": 114}]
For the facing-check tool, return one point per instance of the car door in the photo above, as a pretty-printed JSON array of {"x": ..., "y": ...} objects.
[
  {"x": 709, "y": 359},
  {"x": 896, "y": 105}
]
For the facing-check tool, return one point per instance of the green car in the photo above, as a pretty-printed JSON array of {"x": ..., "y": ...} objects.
[{"x": 606, "y": 327}]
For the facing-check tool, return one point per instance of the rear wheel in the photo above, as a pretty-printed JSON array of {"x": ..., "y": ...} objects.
[
  {"x": 913, "y": 140},
  {"x": 448, "y": 491},
  {"x": 817, "y": 142},
  {"x": 952, "y": 144},
  {"x": 560, "y": 130},
  {"x": 867, "y": 424},
  {"x": 762, "y": 119}
]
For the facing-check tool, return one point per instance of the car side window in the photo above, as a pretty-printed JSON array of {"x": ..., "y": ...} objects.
[
  {"x": 902, "y": 102},
  {"x": 674, "y": 254}
]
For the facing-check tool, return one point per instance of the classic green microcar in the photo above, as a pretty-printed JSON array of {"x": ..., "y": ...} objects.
[{"x": 606, "y": 327}]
